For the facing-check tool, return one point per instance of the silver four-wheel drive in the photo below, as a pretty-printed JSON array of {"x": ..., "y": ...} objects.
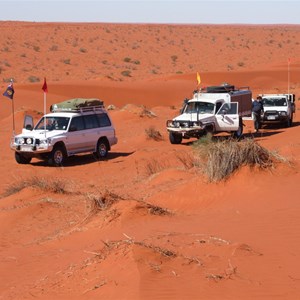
[{"x": 77, "y": 127}]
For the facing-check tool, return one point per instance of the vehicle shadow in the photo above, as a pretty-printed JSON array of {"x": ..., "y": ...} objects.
[
  {"x": 85, "y": 159},
  {"x": 260, "y": 134},
  {"x": 279, "y": 126},
  {"x": 248, "y": 135}
]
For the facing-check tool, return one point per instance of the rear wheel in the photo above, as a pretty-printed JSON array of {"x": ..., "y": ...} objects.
[
  {"x": 175, "y": 138},
  {"x": 21, "y": 159},
  {"x": 57, "y": 156},
  {"x": 102, "y": 148}
]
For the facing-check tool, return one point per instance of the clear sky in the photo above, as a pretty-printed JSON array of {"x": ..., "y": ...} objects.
[{"x": 153, "y": 11}]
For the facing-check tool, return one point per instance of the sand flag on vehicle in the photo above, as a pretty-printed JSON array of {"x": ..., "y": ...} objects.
[
  {"x": 45, "y": 88},
  {"x": 9, "y": 93},
  {"x": 198, "y": 78}
]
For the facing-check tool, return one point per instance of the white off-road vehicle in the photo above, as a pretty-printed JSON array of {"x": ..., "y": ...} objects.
[
  {"x": 278, "y": 108},
  {"x": 77, "y": 127},
  {"x": 215, "y": 109}
]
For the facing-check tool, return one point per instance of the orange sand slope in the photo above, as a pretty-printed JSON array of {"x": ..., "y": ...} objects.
[{"x": 164, "y": 231}]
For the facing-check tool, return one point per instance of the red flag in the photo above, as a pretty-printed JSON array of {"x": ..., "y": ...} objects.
[{"x": 45, "y": 88}]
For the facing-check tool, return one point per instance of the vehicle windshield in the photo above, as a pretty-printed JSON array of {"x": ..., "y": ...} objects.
[
  {"x": 53, "y": 123},
  {"x": 274, "y": 102},
  {"x": 199, "y": 107}
]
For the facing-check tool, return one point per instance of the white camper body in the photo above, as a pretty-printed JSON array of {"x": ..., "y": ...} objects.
[{"x": 216, "y": 109}]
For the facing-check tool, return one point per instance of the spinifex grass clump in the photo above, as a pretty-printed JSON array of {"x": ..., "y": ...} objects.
[
  {"x": 221, "y": 158},
  {"x": 55, "y": 185}
]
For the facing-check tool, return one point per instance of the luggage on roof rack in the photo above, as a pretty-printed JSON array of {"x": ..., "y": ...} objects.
[
  {"x": 226, "y": 88},
  {"x": 77, "y": 104}
]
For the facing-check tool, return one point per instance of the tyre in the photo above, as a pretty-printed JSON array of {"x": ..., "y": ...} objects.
[
  {"x": 175, "y": 138},
  {"x": 102, "y": 148},
  {"x": 57, "y": 156},
  {"x": 237, "y": 134},
  {"x": 208, "y": 130},
  {"x": 20, "y": 159}
]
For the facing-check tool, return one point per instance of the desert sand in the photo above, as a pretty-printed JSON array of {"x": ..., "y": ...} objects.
[{"x": 165, "y": 231}]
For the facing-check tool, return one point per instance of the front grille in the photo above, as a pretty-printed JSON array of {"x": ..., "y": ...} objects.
[{"x": 271, "y": 113}]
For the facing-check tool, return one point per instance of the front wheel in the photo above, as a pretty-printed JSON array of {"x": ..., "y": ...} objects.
[
  {"x": 21, "y": 159},
  {"x": 175, "y": 138},
  {"x": 102, "y": 148},
  {"x": 57, "y": 156}
]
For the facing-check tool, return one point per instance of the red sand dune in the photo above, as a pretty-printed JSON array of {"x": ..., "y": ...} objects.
[{"x": 237, "y": 239}]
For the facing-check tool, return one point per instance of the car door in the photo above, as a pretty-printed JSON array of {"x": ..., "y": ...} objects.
[
  {"x": 92, "y": 131},
  {"x": 106, "y": 128},
  {"x": 75, "y": 140},
  {"x": 227, "y": 118}
]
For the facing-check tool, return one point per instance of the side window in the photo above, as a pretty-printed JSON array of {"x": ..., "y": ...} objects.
[
  {"x": 91, "y": 121},
  {"x": 103, "y": 120},
  {"x": 218, "y": 105},
  {"x": 77, "y": 124},
  {"x": 62, "y": 123},
  {"x": 228, "y": 109}
]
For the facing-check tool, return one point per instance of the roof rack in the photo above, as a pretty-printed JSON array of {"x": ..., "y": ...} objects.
[
  {"x": 78, "y": 105},
  {"x": 78, "y": 109}
]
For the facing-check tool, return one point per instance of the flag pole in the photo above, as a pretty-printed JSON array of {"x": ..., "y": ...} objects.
[
  {"x": 13, "y": 116},
  {"x": 13, "y": 109},
  {"x": 9, "y": 93},
  {"x": 45, "y": 100},
  {"x": 289, "y": 61},
  {"x": 45, "y": 89}
]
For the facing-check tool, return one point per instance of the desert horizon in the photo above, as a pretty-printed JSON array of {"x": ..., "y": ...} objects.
[{"x": 164, "y": 231}]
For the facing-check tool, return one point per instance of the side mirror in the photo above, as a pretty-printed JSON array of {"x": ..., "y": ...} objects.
[
  {"x": 28, "y": 127},
  {"x": 28, "y": 122}
]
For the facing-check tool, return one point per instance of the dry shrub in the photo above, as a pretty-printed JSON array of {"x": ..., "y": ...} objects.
[
  {"x": 56, "y": 185},
  {"x": 157, "y": 210},
  {"x": 153, "y": 134},
  {"x": 154, "y": 209},
  {"x": 147, "y": 113},
  {"x": 222, "y": 158},
  {"x": 111, "y": 245},
  {"x": 154, "y": 166},
  {"x": 103, "y": 201}
]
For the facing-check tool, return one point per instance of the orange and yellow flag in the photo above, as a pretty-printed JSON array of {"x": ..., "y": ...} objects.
[{"x": 198, "y": 78}]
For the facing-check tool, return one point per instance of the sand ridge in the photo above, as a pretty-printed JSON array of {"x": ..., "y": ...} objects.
[{"x": 164, "y": 231}]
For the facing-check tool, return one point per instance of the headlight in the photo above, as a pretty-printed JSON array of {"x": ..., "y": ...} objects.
[
  {"x": 45, "y": 142},
  {"x": 20, "y": 141},
  {"x": 283, "y": 113},
  {"x": 196, "y": 124},
  {"x": 29, "y": 141},
  {"x": 170, "y": 123}
]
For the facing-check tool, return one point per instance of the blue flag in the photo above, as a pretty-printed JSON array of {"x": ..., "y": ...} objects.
[{"x": 9, "y": 92}]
